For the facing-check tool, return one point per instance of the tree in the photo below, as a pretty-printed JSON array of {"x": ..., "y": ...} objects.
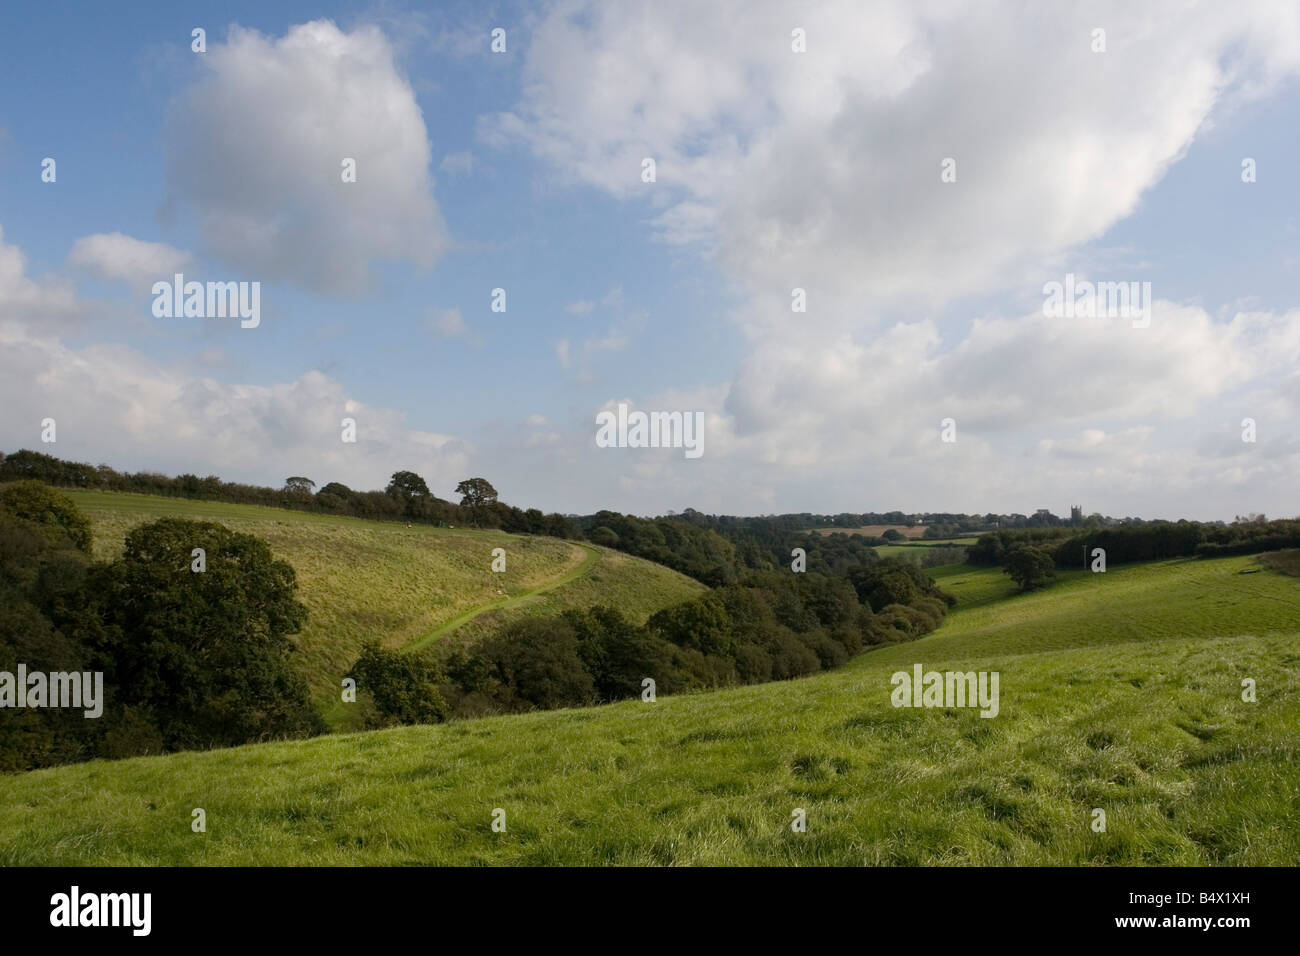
[
  {"x": 403, "y": 687},
  {"x": 410, "y": 489},
  {"x": 207, "y": 653},
  {"x": 619, "y": 655},
  {"x": 336, "y": 497},
  {"x": 702, "y": 624},
  {"x": 42, "y": 579},
  {"x": 890, "y": 581},
  {"x": 1029, "y": 567},
  {"x": 477, "y": 494},
  {"x": 535, "y": 662},
  {"x": 299, "y": 484},
  {"x": 892, "y": 534},
  {"x": 41, "y": 504}
]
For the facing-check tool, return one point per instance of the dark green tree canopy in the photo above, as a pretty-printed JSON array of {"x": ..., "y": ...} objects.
[
  {"x": 410, "y": 489},
  {"x": 206, "y": 652},
  {"x": 407, "y": 486},
  {"x": 39, "y": 503},
  {"x": 477, "y": 494},
  {"x": 1029, "y": 567}
]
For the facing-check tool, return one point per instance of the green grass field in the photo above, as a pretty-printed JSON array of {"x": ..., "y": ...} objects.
[
  {"x": 913, "y": 550},
  {"x": 1119, "y": 692},
  {"x": 406, "y": 586}
]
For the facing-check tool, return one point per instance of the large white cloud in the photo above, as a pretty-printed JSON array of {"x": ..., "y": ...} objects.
[
  {"x": 822, "y": 169},
  {"x": 50, "y": 302},
  {"x": 114, "y": 405},
  {"x": 256, "y": 146}
]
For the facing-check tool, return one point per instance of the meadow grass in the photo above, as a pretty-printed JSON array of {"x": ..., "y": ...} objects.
[{"x": 1119, "y": 692}]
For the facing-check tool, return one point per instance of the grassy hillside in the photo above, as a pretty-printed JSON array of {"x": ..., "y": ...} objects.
[
  {"x": 405, "y": 586},
  {"x": 635, "y": 587},
  {"x": 1119, "y": 691}
]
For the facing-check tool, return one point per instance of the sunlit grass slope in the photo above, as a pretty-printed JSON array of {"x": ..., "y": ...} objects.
[
  {"x": 365, "y": 580},
  {"x": 1120, "y": 692}
]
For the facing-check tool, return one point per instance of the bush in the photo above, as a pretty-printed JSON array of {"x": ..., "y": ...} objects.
[
  {"x": 43, "y": 506},
  {"x": 899, "y": 623},
  {"x": 702, "y": 624},
  {"x": 402, "y": 688},
  {"x": 703, "y": 671},
  {"x": 791, "y": 657},
  {"x": 830, "y": 653},
  {"x": 753, "y": 664},
  {"x": 535, "y": 663},
  {"x": 619, "y": 655}
]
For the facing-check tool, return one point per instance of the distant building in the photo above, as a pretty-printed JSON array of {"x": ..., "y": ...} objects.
[{"x": 1076, "y": 514}]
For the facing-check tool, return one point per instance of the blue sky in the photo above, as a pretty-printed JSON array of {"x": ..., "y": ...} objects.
[
  {"x": 100, "y": 115},
  {"x": 777, "y": 169}
]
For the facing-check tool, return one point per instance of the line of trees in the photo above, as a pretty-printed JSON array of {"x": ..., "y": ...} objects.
[
  {"x": 770, "y": 626},
  {"x": 1151, "y": 541},
  {"x": 719, "y": 550},
  {"x": 715, "y": 550},
  {"x": 406, "y": 498}
]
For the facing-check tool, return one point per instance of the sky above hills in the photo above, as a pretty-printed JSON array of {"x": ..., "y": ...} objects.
[{"x": 919, "y": 170}]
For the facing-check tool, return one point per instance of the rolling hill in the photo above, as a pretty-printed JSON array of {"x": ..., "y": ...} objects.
[
  {"x": 1120, "y": 692},
  {"x": 406, "y": 586}
]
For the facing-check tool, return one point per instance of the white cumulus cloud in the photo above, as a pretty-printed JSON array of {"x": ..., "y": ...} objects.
[{"x": 256, "y": 147}]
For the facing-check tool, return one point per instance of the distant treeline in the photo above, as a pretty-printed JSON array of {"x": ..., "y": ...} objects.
[
  {"x": 770, "y": 626},
  {"x": 401, "y": 501},
  {"x": 1151, "y": 541},
  {"x": 720, "y": 550},
  {"x": 758, "y": 542},
  {"x": 714, "y": 550}
]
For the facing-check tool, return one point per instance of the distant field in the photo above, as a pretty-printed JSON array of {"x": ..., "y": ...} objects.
[
  {"x": 1119, "y": 691},
  {"x": 1288, "y": 562},
  {"x": 876, "y": 530},
  {"x": 916, "y": 550},
  {"x": 370, "y": 579},
  {"x": 973, "y": 585}
]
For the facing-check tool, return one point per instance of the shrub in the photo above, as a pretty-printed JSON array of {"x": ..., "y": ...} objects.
[
  {"x": 535, "y": 663},
  {"x": 791, "y": 657},
  {"x": 619, "y": 655},
  {"x": 703, "y": 671},
  {"x": 753, "y": 664},
  {"x": 830, "y": 653},
  {"x": 702, "y": 624},
  {"x": 42, "y": 505},
  {"x": 403, "y": 688}
]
